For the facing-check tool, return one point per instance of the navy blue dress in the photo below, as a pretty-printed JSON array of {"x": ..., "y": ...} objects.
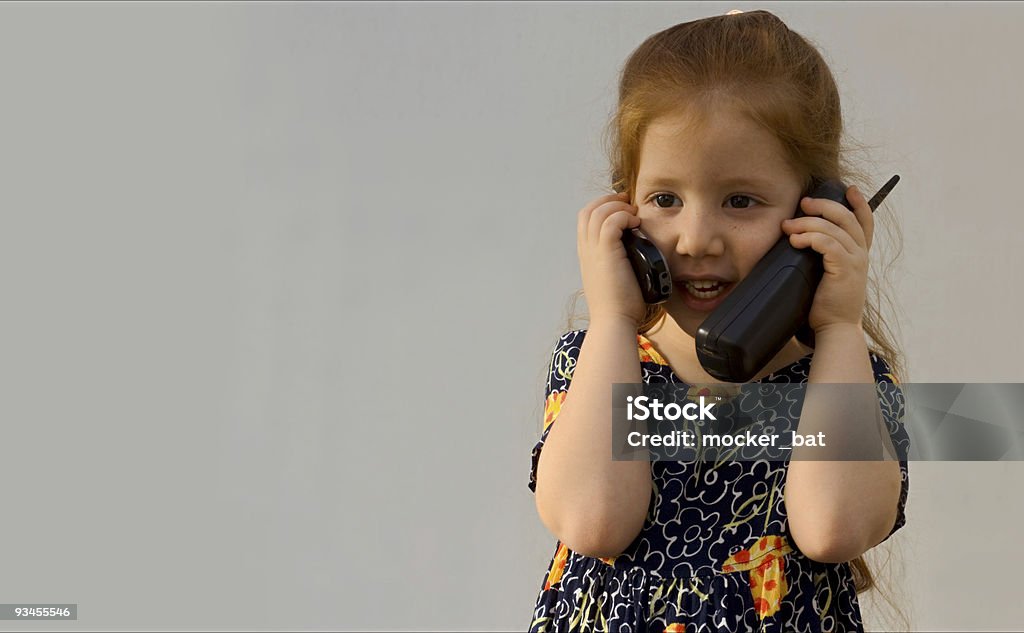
[{"x": 715, "y": 553}]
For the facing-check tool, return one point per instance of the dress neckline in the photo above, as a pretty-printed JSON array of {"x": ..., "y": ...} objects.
[{"x": 649, "y": 352}]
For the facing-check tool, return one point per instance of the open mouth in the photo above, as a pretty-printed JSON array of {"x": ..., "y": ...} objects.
[{"x": 705, "y": 289}]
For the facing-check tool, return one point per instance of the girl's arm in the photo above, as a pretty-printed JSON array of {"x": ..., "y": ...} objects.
[
  {"x": 840, "y": 509},
  {"x": 594, "y": 505}
]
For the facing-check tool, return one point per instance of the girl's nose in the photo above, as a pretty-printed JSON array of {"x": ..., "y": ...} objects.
[{"x": 699, "y": 233}]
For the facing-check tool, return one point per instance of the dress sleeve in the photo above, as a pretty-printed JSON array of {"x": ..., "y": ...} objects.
[
  {"x": 893, "y": 407},
  {"x": 560, "y": 369}
]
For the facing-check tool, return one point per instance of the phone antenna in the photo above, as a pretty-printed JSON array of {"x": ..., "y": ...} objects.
[{"x": 883, "y": 192}]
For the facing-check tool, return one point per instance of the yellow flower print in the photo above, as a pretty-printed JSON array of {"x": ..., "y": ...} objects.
[
  {"x": 765, "y": 562},
  {"x": 565, "y": 365},
  {"x": 647, "y": 352},
  {"x": 557, "y": 566},
  {"x": 675, "y": 627},
  {"x": 552, "y": 406}
]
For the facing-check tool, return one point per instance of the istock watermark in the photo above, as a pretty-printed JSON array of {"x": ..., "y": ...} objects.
[{"x": 812, "y": 421}]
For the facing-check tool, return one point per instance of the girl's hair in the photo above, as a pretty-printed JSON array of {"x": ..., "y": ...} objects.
[{"x": 754, "y": 64}]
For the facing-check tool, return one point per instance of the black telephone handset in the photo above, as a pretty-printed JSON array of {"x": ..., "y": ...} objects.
[
  {"x": 764, "y": 311},
  {"x": 649, "y": 266}
]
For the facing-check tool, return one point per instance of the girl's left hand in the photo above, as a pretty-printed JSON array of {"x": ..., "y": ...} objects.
[{"x": 843, "y": 239}]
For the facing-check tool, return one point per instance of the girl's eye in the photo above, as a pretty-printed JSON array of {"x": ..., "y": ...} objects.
[
  {"x": 666, "y": 201},
  {"x": 744, "y": 201},
  {"x": 663, "y": 196}
]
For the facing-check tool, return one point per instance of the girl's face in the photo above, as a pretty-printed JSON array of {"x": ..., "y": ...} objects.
[{"x": 713, "y": 200}]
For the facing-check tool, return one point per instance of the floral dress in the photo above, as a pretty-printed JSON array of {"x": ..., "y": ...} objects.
[{"x": 715, "y": 553}]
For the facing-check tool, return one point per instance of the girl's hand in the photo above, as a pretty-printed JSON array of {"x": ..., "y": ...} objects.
[
  {"x": 843, "y": 239},
  {"x": 609, "y": 284}
]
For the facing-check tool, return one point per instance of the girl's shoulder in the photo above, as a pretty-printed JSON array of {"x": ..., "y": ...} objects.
[{"x": 569, "y": 343}]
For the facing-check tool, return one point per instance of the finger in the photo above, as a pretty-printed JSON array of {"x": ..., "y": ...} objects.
[
  {"x": 837, "y": 214},
  {"x": 583, "y": 217},
  {"x": 582, "y": 222},
  {"x": 600, "y": 214},
  {"x": 811, "y": 224},
  {"x": 616, "y": 223},
  {"x": 611, "y": 197},
  {"x": 603, "y": 200},
  {"x": 862, "y": 210},
  {"x": 828, "y": 246}
]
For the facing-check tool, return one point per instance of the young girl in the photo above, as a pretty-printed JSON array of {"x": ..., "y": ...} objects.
[{"x": 721, "y": 126}]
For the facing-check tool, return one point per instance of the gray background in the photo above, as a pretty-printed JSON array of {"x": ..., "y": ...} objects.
[{"x": 280, "y": 283}]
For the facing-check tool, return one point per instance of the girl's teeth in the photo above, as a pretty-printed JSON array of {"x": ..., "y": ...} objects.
[{"x": 704, "y": 289}]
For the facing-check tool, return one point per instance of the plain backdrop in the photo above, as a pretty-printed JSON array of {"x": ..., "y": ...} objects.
[{"x": 281, "y": 281}]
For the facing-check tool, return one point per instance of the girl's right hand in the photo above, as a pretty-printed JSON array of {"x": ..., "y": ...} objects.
[{"x": 609, "y": 284}]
